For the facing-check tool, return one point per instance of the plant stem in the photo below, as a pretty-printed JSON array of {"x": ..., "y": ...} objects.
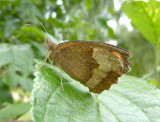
[{"x": 157, "y": 57}]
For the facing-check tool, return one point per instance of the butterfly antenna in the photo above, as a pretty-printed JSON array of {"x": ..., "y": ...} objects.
[
  {"x": 43, "y": 26},
  {"x": 44, "y": 61},
  {"x": 61, "y": 77},
  {"x": 45, "y": 31},
  {"x": 36, "y": 28}
]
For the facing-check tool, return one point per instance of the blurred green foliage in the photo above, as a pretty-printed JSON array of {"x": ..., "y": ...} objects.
[{"x": 67, "y": 20}]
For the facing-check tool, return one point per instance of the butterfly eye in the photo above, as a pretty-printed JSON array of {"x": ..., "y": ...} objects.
[{"x": 48, "y": 44}]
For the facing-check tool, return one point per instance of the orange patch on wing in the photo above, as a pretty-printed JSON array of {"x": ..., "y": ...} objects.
[{"x": 119, "y": 56}]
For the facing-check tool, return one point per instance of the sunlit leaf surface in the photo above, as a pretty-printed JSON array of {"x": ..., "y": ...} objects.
[
  {"x": 146, "y": 17},
  {"x": 132, "y": 99},
  {"x": 14, "y": 110}
]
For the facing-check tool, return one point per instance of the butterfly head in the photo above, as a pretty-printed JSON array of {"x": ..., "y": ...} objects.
[{"x": 49, "y": 45}]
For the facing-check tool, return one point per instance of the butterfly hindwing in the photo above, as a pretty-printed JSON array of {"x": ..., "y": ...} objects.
[{"x": 96, "y": 65}]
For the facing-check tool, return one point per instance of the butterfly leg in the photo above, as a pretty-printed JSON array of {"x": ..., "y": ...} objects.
[{"x": 44, "y": 61}]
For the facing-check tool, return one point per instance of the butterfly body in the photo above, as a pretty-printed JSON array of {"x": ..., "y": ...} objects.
[{"x": 94, "y": 64}]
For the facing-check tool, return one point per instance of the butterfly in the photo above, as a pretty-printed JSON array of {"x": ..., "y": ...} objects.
[{"x": 96, "y": 65}]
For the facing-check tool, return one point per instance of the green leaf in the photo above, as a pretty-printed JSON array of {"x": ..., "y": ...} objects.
[
  {"x": 43, "y": 35},
  {"x": 26, "y": 83},
  {"x": 146, "y": 17},
  {"x": 102, "y": 22},
  {"x": 132, "y": 99},
  {"x": 6, "y": 2},
  {"x": 88, "y": 4},
  {"x": 111, "y": 33},
  {"x": 5, "y": 53},
  {"x": 28, "y": 14},
  {"x": 31, "y": 29},
  {"x": 20, "y": 60},
  {"x": 24, "y": 117},
  {"x": 5, "y": 95},
  {"x": 10, "y": 26},
  {"x": 19, "y": 55},
  {"x": 14, "y": 110},
  {"x": 41, "y": 50}
]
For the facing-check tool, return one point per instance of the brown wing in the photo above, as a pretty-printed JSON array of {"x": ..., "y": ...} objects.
[
  {"x": 120, "y": 53},
  {"x": 93, "y": 64},
  {"x": 77, "y": 62}
]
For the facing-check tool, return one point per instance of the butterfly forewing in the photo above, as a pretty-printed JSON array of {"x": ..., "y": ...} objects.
[{"x": 96, "y": 65}]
